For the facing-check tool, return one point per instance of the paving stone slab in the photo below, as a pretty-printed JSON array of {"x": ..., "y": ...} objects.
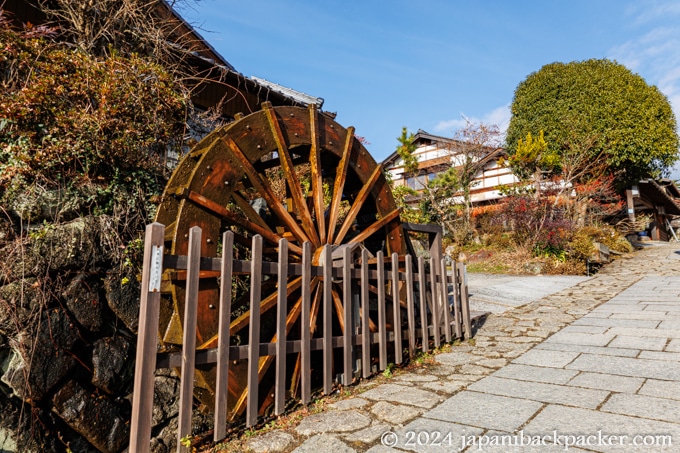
[
  {"x": 639, "y": 342},
  {"x": 411, "y": 377},
  {"x": 445, "y": 386},
  {"x": 396, "y": 414},
  {"x": 474, "y": 369},
  {"x": 619, "y": 322},
  {"x": 661, "y": 389},
  {"x": 671, "y": 308},
  {"x": 625, "y": 366},
  {"x": 673, "y": 345},
  {"x": 582, "y": 339},
  {"x": 535, "y": 373},
  {"x": 432, "y": 436},
  {"x": 645, "y": 332},
  {"x": 588, "y": 349},
  {"x": 583, "y": 328},
  {"x": 642, "y": 316},
  {"x": 565, "y": 420},
  {"x": 645, "y": 406},
  {"x": 520, "y": 442},
  {"x": 492, "y": 363},
  {"x": 350, "y": 403},
  {"x": 538, "y": 391},
  {"x": 619, "y": 308},
  {"x": 485, "y": 410},
  {"x": 608, "y": 382},
  {"x": 368, "y": 435},
  {"x": 402, "y": 394},
  {"x": 456, "y": 358},
  {"x": 655, "y": 355},
  {"x": 333, "y": 421},
  {"x": 273, "y": 441},
  {"x": 323, "y": 443},
  {"x": 382, "y": 449},
  {"x": 670, "y": 324},
  {"x": 544, "y": 358}
]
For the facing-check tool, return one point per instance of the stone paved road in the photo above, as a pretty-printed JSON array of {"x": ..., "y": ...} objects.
[
  {"x": 498, "y": 293},
  {"x": 599, "y": 361}
]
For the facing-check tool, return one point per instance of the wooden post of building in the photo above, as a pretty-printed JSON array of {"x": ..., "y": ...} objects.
[
  {"x": 147, "y": 341},
  {"x": 631, "y": 205}
]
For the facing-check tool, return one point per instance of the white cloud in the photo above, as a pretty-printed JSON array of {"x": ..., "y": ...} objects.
[
  {"x": 645, "y": 12},
  {"x": 499, "y": 116},
  {"x": 655, "y": 52}
]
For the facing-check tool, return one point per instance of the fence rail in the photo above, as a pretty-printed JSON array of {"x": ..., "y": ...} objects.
[{"x": 432, "y": 304}]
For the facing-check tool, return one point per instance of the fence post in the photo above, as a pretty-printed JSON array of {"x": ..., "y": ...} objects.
[
  {"x": 147, "y": 341},
  {"x": 382, "y": 329},
  {"x": 365, "y": 331},
  {"x": 254, "y": 331},
  {"x": 327, "y": 319},
  {"x": 281, "y": 313},
  {"x": 396, "y": 306},
  {"x": 456, "y": 292},
  {"x": 189, "y": 337},
  {"x": 423, "y": 304},
  {"x": 436, "y": 322},
  {"x": 410, "y": 307},
  {"x": 445, "y": 302},
  {"x": 347, "y": 314},
  {"x": 222, "y": 387},
  {"x": 464, "y": 301},
  {"x": 305, "y": 334}
]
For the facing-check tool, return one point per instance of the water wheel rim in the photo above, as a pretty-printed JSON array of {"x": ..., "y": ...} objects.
[{"x": 224, "y": 168}]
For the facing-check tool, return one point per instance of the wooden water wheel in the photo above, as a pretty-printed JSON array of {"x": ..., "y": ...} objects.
[{"x": 280, "y": 172}]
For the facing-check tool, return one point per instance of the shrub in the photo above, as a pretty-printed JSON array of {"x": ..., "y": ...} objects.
[
  {"x": 82, "y": 124},
  {"x": 537, "y": 223}
]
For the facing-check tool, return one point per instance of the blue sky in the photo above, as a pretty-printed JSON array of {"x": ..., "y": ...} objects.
[{"x": 425, "y": 65}]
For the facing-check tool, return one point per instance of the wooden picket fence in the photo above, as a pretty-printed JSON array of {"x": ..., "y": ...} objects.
[{"x": 439, "y": 303}]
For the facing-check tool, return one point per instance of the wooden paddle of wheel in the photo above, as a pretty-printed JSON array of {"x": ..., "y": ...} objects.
[{"x": 280, "y": 172}]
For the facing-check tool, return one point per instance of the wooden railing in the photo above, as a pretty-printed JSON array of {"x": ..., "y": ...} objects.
[{"x": 440, "y": 304}]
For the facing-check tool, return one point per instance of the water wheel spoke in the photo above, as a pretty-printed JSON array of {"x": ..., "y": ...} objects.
[
  {"x": 265, "y": 362},
  {"x": 291, "y": 176},
  {"x": 266, "y": 191},
  {"x": 388, "y": 297},
  {"x": 316, "y": 303},
  {"x": 295, "y": 379},
  {"x": 337, "y": 303},
  {"x": 229, "y": 216},
  {"x": 339, "y": 185},
  {"x": 266, "y": 304},
  {"x": 316, "y": 173},
  {"x": 249, "y": 211},
  {"x": 377, "y": 225},
  {"x": 359, "y": 201}
]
